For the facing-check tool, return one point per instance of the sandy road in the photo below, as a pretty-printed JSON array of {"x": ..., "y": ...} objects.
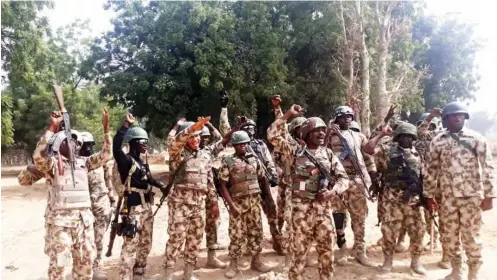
[{"x": 23, "y": 241}]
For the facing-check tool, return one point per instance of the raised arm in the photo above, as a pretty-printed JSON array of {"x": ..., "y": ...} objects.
[{"x": 98, "y": 159}]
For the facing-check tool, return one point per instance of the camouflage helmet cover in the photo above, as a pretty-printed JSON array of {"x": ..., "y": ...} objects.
[
  {"x": 405, "y": 128},
  {"x": 311, "y": 124},
  {"x": 298, "y": 121},
  {"x": 239, "y": 137}
]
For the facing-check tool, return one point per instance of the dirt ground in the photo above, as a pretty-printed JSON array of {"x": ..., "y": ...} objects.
[{"x": 23, "y": 241}]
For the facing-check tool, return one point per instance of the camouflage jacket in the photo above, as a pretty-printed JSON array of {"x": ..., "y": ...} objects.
[
  {"x": 177, "y": 154},
  {"x": 288, "y": 147},
  {"x": 463, "y": 165},
  {"x": 48, "y": 166}
]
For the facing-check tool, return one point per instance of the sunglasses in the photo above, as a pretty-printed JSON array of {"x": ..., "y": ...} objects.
[{"x": 142, "y": 141}]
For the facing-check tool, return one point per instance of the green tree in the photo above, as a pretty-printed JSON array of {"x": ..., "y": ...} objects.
[{"x": 7, "y": 122}]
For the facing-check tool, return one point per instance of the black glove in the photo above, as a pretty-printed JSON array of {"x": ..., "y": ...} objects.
[{"x": 224, "y": 98}]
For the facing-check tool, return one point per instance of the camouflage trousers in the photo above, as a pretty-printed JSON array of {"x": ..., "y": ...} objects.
[
  {"x": 462, "y": 221},
  {"x": 64, "y": 242},
  {"x": 211, "y": 228},
  {"x": 356, "y": 204},
  {"x": 312, "y": 221},
  {"x": 101, "y": 211},
  {"x": 287, "y": 218},
  {"x": 135, "y": 250},
  {"x": 246, "y": 227},
  {"x": 185, "y": 226},
  {"x": 280, "y": 204},
  {"x": 399, "y": 215}
]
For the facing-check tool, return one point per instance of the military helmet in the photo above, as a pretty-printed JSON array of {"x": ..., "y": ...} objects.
[
  {"x": 344, "y": 110},
  {"x": 186, "y": 125},
  {"x": 355, "y": 126},
  {"x": 54, "y": 142},
  {"x": 455, "y": 108},
  {"x": 249, "y": 122},
  {"x": 298, "y": 121},
  {"x": 405, "y": 128},
  {"x": 135, "y": 132},
  {"x": 422, "y": 118},
  {"x": 205, "y": 131},
  {"x": 239, "y": 137},
  {"x": 311, "y": 124},
  {"x": 87, "y": 137}
]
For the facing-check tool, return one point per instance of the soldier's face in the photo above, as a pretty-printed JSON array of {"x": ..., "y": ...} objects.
[
  {"x": 250, "y": 129},
  {"x": 193, "y": 142},
  {"x": 204, "y": 141},
  {"x": 87, "y": 149},
  {"x": 240, "y": 149},
  {"x": 316, "y": 136},
  {"x": 64, "y": 148},
  {"x": 142, "y": 145},
  {"x": 344, "y": 121},
  {"x": 405, "y": 141},
  {"x": 455, "y": 121}
]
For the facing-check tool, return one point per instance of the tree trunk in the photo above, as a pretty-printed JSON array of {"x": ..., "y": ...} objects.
[
  {"x": 383, "y": 101},
  {"x": 365, "y": 92}
]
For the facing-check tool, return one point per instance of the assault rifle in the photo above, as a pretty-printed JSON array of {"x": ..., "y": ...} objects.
[
  {"x": 351, "y": 154},
  {"x": 66, "y": 125},
  {"x": 114, "y": 228},
  {"x": 273, "y": 182},
  {"x": 414, "y": 182}
]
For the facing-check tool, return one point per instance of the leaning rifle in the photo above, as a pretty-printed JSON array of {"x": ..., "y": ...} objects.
[
  {"x": 351, "y": 154},
  {"x": 268, "y": 175},
  {"x": 114, "y": 228},
  {"x": 66, "y": 124}
]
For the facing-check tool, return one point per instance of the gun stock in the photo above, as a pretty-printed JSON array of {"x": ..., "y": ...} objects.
[
  {"x": 113, "y": 230},
  {"x": 57, "y": 90}
]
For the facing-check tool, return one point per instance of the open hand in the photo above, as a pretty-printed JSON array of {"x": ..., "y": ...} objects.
[{"x": 200, "y": 123}]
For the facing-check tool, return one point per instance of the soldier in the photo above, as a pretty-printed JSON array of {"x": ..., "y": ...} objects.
[
  {"x": 260, "y": 149},
  {"x": 284, "y": 200},
  {"x": 401, "y": 207},
  {"x": 68, "y": 217},
  {"x": 191, "y": 172},
  {"x": 427, "y": 129},
  {"x": 100, "y": 204},
  {"x": 136, "y": 211},
  {"x": 459, "y": 165},
  {"x": 243, "y": 170},
  {"x": 311, "y": 190},
  {"x": 355, "y": 197}
]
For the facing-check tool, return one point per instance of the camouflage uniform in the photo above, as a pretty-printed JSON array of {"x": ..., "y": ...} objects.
[
  {"x": 69, "y": 231},
  {"x": 100, "y": 207},
  {"x": 354, "y": 199},
  {"x": 425, "y": 135},
  {"x": 453, "y": 168},
  {"x": 399, "y": 213},
  {"x": 311, "y": 219},
  {"x": 193, "y": 184},
  {"x": 29, "y": 176}
]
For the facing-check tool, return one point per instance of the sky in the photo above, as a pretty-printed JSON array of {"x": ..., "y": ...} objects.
[{"x": 475, "y": 11}]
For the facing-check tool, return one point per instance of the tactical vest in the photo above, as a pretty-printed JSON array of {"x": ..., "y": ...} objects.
[
  {"x": 393, "y": 172},
  {"x": 65, "y": 194},
  {"x": 243, "y": 176},
  {"x": 193, "y": 175},
  {"x": 305, "y": 176}
]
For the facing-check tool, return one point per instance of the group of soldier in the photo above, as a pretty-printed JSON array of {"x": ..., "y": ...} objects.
[{"x": 324, "y": 174}]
